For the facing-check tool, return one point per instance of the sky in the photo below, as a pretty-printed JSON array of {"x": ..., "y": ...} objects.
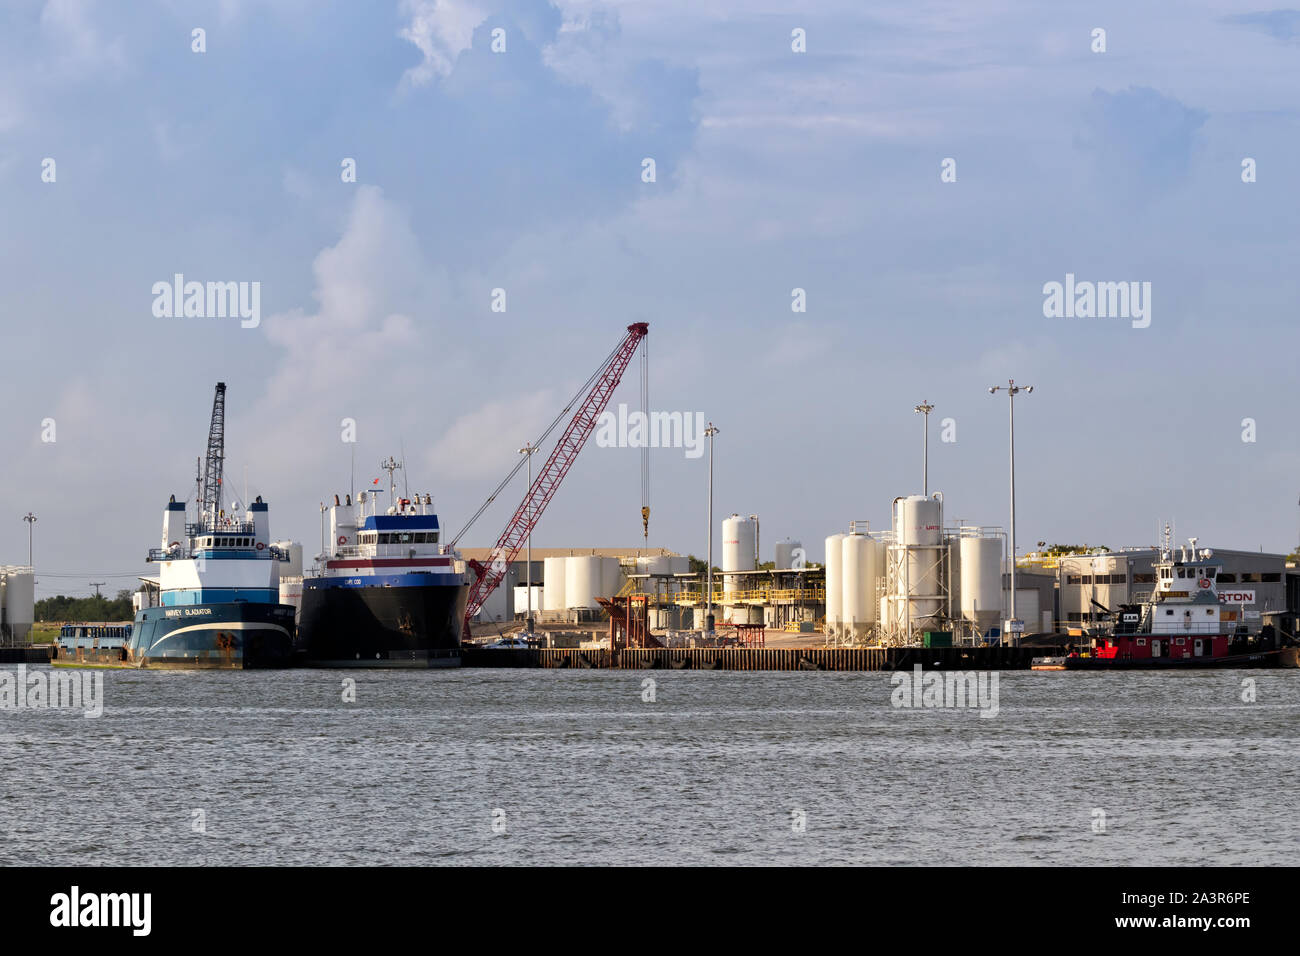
[{"x": 776, "y": 169}]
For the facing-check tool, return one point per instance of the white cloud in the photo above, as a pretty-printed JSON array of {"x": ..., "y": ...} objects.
[
  {"x": 70, "y": 28},
  {"x": 442, "y": 30},
  {"x": 484, "y": 443}
]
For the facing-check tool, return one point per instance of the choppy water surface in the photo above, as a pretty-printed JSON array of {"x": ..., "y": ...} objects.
[{"x": 574, "y": 767}]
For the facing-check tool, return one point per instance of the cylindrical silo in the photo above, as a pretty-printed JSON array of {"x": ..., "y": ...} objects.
[
  {"x": 582, "y": 581},
  {"x": 611, "y": 577},
  {"x": 738, "y": 543},
  {"x": 20, "y": 604},
  {"x": 553, "y": 596},
  {"x": 920, "y": 531},
  {"x": 784, "y": 552},
  {"x": 834, "y": 601},
  {"x": 858, "y": 577},
  {"x": 981, "y": 581}
]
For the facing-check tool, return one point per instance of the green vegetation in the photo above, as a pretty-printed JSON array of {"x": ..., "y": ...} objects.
[
  {"x": 68, "y": 609},
  {"x": 1074, "y": 548}
]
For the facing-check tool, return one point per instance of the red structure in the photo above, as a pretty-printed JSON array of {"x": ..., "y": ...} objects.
[
  {"x": 629, "y": 621},
  {"x": 547, "y": 482}
]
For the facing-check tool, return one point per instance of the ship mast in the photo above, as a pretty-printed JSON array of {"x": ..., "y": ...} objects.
[{"x": 210, "y": 498}]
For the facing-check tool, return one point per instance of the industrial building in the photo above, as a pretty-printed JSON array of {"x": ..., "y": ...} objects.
[
  {"x": 17, "y": 603},
  {"x": 1250, "y": 584}
]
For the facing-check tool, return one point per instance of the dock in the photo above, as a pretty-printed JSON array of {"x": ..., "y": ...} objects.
[{"x": 761, "y": 658}]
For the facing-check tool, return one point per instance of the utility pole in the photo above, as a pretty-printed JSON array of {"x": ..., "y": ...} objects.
[
  {"x": 708, "y": 613},
  {"x": 925, "y": 408},
  {"x": 529, "y": 449},
  {"x": 97, "y": 585},
  {"x": 1012, "y": 389},
  {"x": 31, "y": 520}
]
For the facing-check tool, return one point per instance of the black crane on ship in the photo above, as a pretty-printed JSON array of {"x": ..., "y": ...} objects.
[{"x": 214, "y": 463}]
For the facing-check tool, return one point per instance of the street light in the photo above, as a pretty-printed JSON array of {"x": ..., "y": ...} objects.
[
  {"x": 529, "y": 449},
  {"x": 31, "y": 520},
  {"x": 708, "y": 613},
  {"x": 925, "y": 408},
  {"x": 1012, "y": 389}
]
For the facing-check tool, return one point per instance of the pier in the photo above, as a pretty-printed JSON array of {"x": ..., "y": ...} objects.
[{"x": 762, "y": 658}]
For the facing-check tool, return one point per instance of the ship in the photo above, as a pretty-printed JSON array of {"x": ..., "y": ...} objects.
[
  {"x": 1180, "y": 626},
  {"x": 219, "y": 580},
  {"x": 386, "y": 591}
]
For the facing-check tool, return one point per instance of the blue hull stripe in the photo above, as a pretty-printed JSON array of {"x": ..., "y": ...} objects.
[{"x": 415, "y": 579}]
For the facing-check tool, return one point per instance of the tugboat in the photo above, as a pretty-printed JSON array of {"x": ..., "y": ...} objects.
[
  {"x": 219, "y": 604},
  {"x": 1179, "y": 627},
  {"x": 387, "y": 592}
]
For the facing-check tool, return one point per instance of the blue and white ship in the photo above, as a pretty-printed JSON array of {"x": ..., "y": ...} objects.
[
  {"x": 386, "y": 591},
  {"x": 219, "y": 582}
]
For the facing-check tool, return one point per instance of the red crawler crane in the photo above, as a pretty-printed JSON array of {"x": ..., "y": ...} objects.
[{"x": 488, "y": 575}]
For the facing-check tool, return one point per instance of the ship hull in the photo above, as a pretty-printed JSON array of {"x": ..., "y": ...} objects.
[
  {"x": 1260, "y": 659},
  {"x": 225, "y": 636},
  {"x": 401, "y": 624}
]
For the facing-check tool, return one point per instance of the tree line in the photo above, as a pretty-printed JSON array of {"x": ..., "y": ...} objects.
[{"x": 63, "y": 608}]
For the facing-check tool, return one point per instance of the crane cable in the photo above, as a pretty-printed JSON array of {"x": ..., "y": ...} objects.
[
  {"x": 645, "y": 445},
  {"x": 549, "y": 428}
]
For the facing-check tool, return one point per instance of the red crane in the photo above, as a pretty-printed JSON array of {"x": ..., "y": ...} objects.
[{"x": 487, "y": 576}]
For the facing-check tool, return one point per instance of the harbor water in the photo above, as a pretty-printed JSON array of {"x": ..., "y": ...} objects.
[{"x": 498, "y": 766}]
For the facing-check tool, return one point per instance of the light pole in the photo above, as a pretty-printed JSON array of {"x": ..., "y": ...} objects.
[
  {"x": 31, "y": 520},
  {"x": 925, "y": 408},
  {"x": 708, "y": 613},
  {"x": 529, "y": 449},
  {"x": 1011, "y": 388}
]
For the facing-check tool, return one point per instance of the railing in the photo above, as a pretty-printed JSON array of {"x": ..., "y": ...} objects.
[
  {"x": 186, "y": 554},
  {"x": 220, "y": 526},
  {"x": 751, "y": 596}
]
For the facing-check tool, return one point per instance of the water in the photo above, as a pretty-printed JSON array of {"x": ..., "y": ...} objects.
[{"x": 576, "y": 768}]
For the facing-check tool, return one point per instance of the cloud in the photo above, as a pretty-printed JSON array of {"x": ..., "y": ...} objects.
[
  {"x": 68, "y": 25},
  {"x": 442, "y": 30},
  {"x": 483, "y": 443},
  {"x": 1141, "y": 140},
  {"x": 1281, "y": 25}
]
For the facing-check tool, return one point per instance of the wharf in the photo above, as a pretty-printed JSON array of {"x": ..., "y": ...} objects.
[{"x": 762, "y": 658}]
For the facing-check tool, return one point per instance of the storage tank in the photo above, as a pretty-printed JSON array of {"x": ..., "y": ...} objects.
[
  {"x": 981, "y": 581},
  {"x": 582, "y": 581},
  {"x": 20, "y": 603},
  {"x": 834, "y": 563},
  {"x": 919, "y": 528},
  {"x": 291, "y": 593},
  {"x": 739, "y": 537},
  {"x": 611, "y": 577},
  {"x": 784, "y": 554},
  {"x": 857, "y": 585},
  {"x": 553, "y": 597},
  {"x": 293, "y": 567},
  {"x": 655, "y": 564}
]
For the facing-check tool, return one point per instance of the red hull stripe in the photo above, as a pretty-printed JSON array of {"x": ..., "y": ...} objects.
[{"x": 391, "y": 563}]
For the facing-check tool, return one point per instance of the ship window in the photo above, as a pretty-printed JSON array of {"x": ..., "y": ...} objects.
[
  {"x": 418, "y": 537},
  {"x": 1144, "y": 579},
  {"x": 1211, "y": 572},
  {"x": 1169, "y": 613},
  {"x": 1118, "y": 578},
  {"x": 1142, "y": 642},
  {"x": 1102, "y": 579},
  {"x": 1087, "y": 579},
  {"x": 1270, "y": 578},
  {"x": 1249, "y": 577},
  {"x": 433, "y": 538},
  {"x": 1072, "y": 579},
  {"x": 1182, "y": 640},
  {"x": 1228, "y": 578},
  {"x": 1182, "y": 572},
  {"x": 405, "y": 537}
]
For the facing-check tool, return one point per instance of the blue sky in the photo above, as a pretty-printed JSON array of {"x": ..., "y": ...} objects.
[{"x": 521, "y": 170}]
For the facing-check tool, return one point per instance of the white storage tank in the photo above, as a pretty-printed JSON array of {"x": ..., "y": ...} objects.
[
  {"x": 582, "y": 581},
  {"x": 834, "y": 580},
  {"x": 981, "y": 581},
  {"x": 919, "y": 526},
  {"x": 739, "y": 540},
  {"x": 553, "y": 597},
  {"x": 611, "y": 577},
  {"x": 293, "y": 567},
  {"x": 656, "y": 564},
  {"x": 857, "y": 585},
  {"x": 20, "y": 603},
  {"x": 290, "y": 593},
  {"x": 783, "y": 555}
]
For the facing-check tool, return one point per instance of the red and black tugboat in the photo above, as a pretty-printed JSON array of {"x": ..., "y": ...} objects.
[{"x": 1180, "y": 626}]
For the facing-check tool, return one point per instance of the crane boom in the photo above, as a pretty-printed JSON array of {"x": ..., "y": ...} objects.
[
  {"x": 488, "y": 576},
  {"x": 216, "y": 456}
]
